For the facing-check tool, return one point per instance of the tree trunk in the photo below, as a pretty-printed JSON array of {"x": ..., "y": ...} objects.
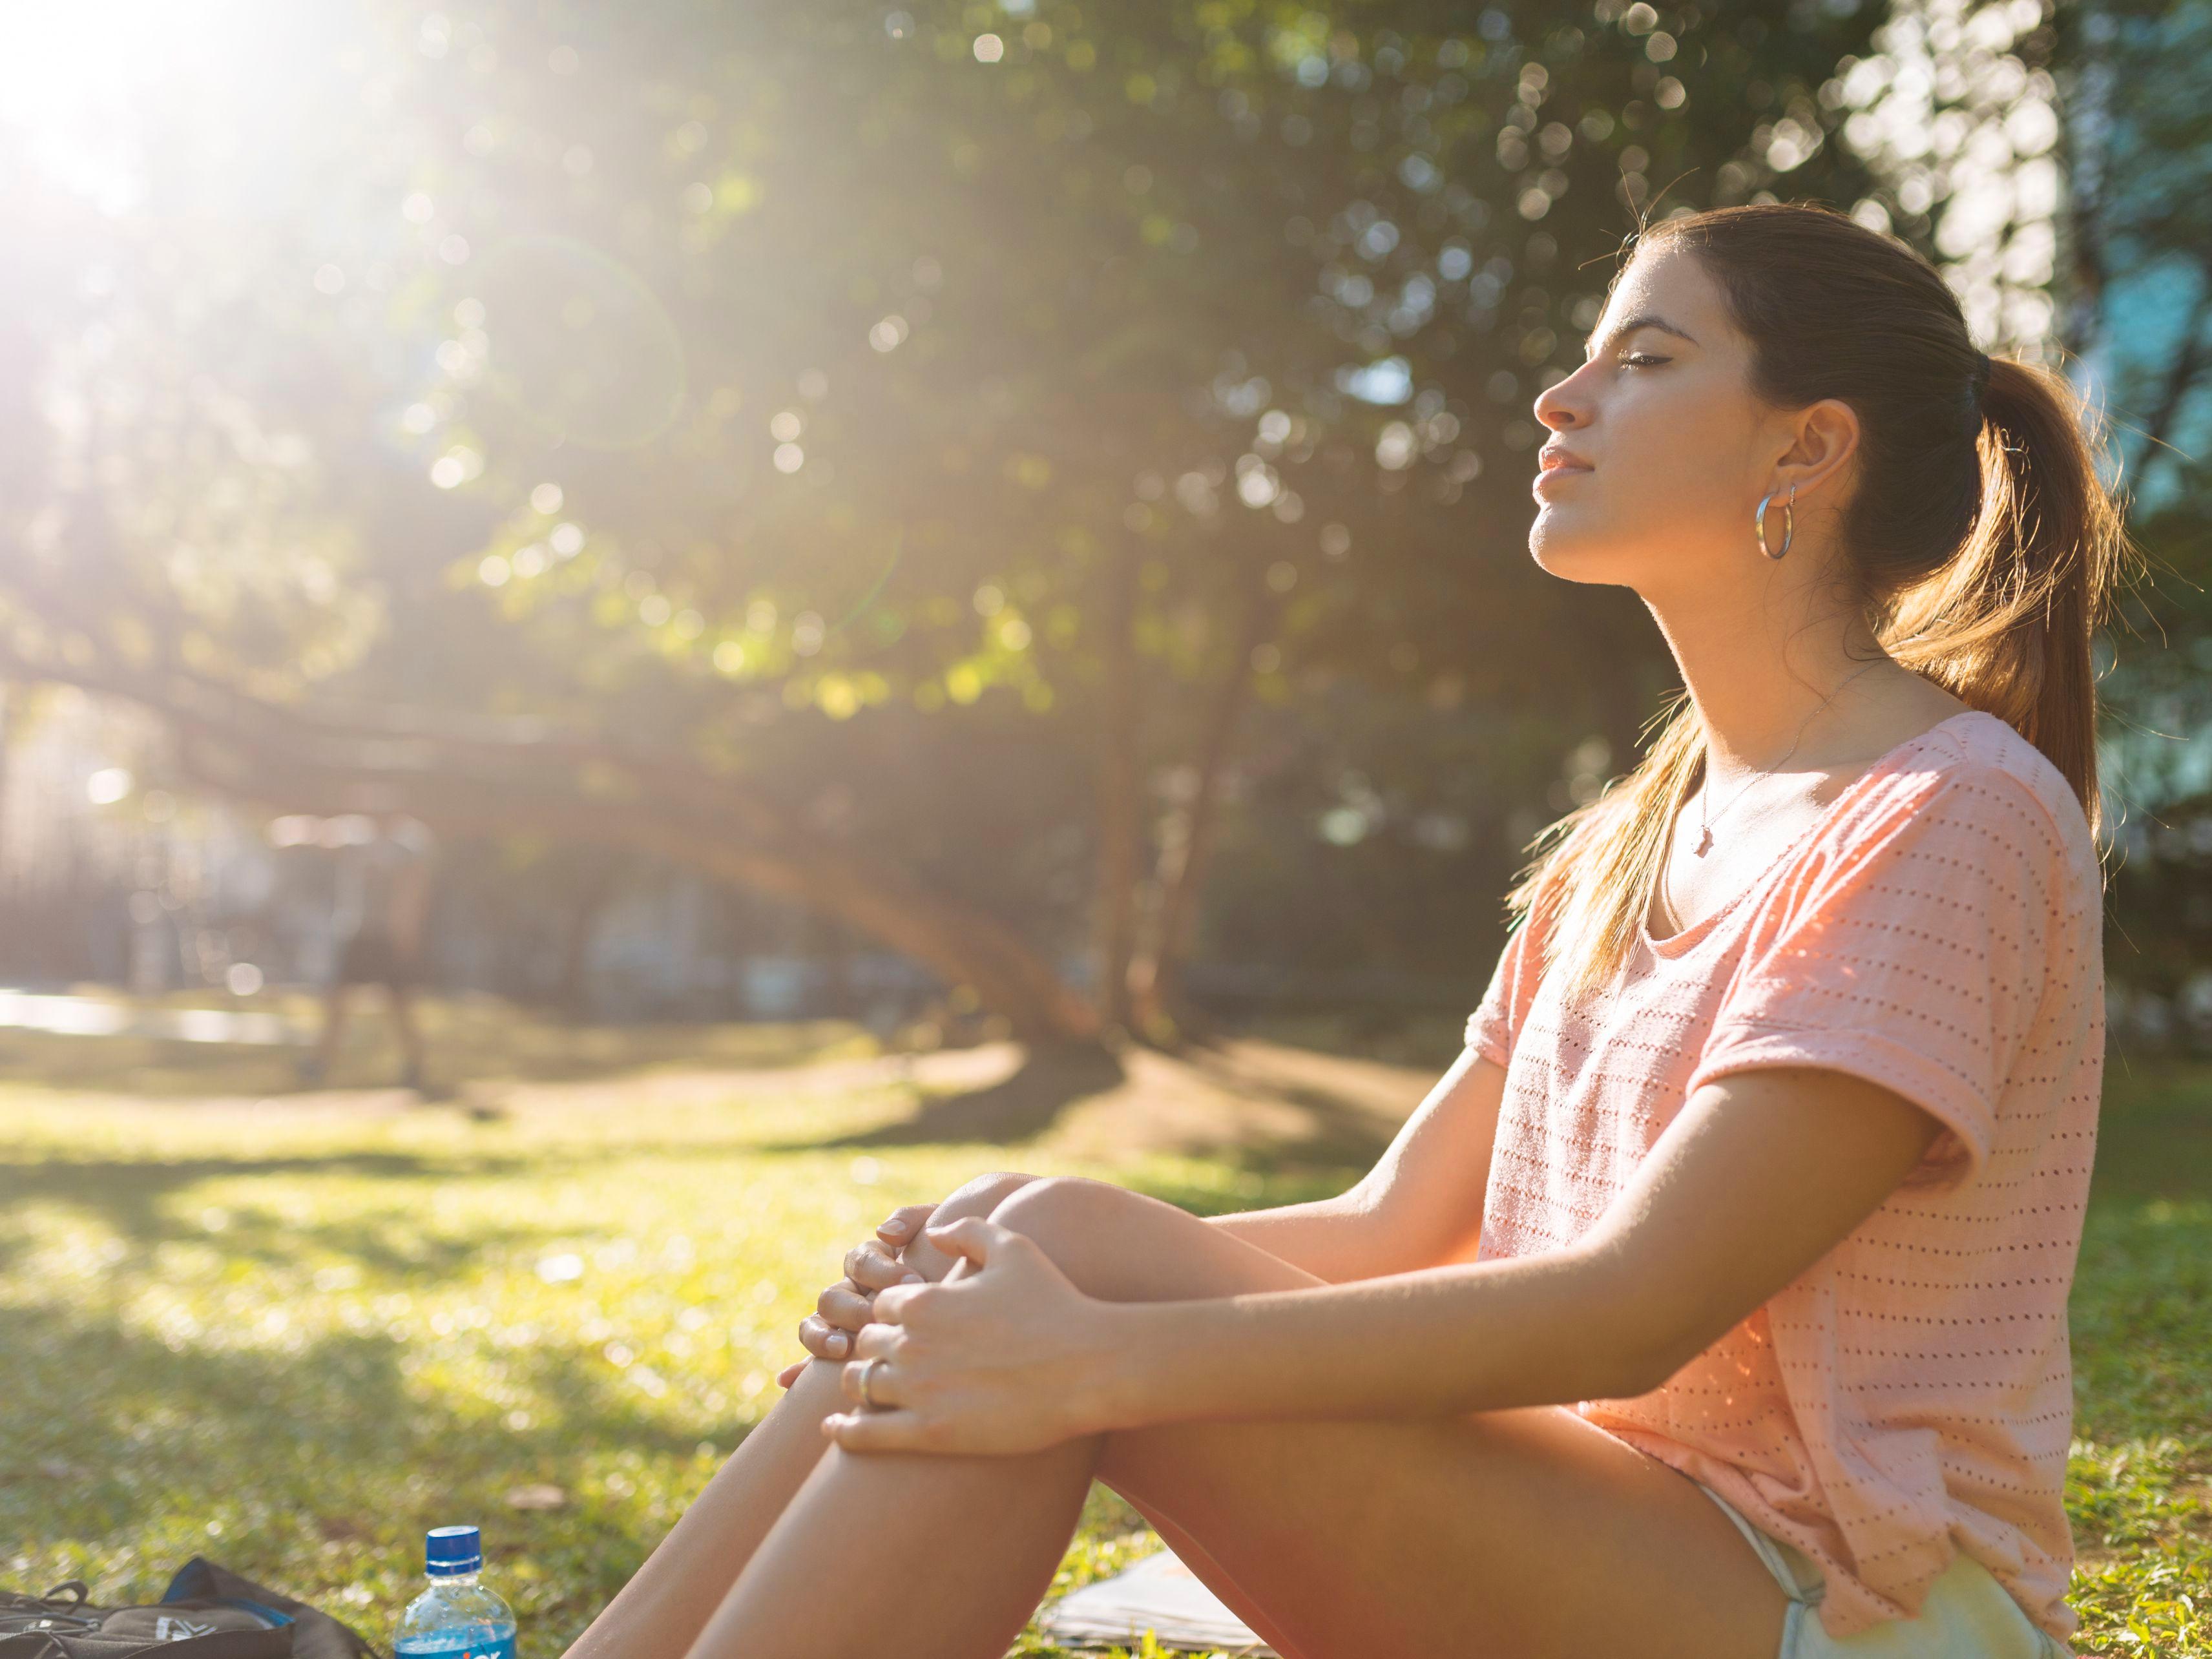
[
  {"x": 1118, "y": 803},
  {"x": 583, "y": 927},
  {"x": 1156, "y": 976},
  {"x": 2086, "y": 167}
]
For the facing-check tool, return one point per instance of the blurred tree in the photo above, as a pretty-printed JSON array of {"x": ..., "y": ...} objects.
[
  {"x": 818, "y": 404},
  {"x": 2141, "y": 286}
]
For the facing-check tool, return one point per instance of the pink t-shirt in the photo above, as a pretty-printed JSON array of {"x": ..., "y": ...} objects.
[{"x": 1937, "y": 930}]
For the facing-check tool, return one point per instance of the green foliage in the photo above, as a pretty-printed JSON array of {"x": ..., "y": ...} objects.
[
  {"x": 743, "y": 360},
  {"x": 1003, "y": 315},
  {"x": 2143, "y": 285}
]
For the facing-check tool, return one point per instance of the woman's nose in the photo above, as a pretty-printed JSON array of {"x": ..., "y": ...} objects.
[
  {"x": 1556, "y": 408},
  {"x": 1560, "y": 406}
]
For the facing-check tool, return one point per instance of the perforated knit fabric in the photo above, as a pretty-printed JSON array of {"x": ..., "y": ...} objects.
[{"x": 1938, "y": 931}]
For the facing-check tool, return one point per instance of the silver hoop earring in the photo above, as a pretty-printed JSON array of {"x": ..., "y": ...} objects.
[{"x": 1788, "y": 522}]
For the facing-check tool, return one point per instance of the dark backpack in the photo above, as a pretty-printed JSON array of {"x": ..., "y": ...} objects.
[{"x": 207, "y": 1612}]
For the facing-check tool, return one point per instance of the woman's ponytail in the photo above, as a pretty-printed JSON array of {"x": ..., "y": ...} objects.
[{"x": 2007, "y": 624}]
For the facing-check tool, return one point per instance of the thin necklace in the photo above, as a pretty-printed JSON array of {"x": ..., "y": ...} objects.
[{"x": 1705, "y": 824}]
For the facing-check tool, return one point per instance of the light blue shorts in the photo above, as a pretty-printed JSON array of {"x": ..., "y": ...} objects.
[{"x": 1967, "y": 1615}]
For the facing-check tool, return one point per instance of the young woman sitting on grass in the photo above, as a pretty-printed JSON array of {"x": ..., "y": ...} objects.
[{"x": 1713, "y": 1304}]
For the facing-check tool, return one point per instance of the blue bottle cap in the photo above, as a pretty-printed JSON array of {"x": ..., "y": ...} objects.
[{"x": 449, "y": 1551}]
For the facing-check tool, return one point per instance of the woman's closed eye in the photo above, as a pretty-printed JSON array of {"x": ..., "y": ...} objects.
[{"x": 1645, "y": 359}]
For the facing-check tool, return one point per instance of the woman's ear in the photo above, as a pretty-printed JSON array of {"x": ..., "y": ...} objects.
[{"x": 1825, "y": 439}]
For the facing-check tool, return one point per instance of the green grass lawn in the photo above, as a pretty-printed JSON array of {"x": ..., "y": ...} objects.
[{"x": 291, "y": 1334}]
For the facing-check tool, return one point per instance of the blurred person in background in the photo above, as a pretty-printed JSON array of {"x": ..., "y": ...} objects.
[{"x": 383, "y": 898}]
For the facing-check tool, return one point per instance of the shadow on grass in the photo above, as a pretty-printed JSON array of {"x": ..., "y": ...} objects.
[
  {"x": 1208, "y": 1100},
  {"x": 1015, "y": 1110},
  {"x": 468, "y": 1039},
  {"x": 1421, "y": 1038},
  {"x": 1341, "y": 1133},
  {"x": 131, "y": 1197},
  {"x": 110, "y": 1432}
]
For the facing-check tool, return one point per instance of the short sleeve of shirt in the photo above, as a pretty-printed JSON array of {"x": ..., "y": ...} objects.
[
  {"x": 1912, "y": 951},
  {"x": 1496, "y": 1019}
]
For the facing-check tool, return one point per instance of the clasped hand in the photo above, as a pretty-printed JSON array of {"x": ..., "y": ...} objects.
[{"x": 1004, "y": 1355}]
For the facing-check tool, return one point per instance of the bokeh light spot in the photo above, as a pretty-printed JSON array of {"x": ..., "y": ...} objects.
[{"x": 578, "y": 345}]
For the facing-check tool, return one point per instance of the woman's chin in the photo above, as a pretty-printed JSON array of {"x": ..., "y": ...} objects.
[{"x": 1568, "y": 551}]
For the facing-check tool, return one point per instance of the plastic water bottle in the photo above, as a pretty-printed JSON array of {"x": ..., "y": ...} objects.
[{"x": 457, "y": 1618}]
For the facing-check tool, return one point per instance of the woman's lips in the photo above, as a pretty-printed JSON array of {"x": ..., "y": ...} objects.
[{"x": 1554, "y": 472}]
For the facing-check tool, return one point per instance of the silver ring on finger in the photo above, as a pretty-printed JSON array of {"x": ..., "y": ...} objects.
[{"x": 867, "y": 1377}]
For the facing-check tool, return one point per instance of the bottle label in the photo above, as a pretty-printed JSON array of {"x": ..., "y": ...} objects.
[{"x": 441, "y": 1647}]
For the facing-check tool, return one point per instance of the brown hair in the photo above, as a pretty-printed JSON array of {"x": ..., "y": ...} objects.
[{"x": 1980, "y": 541}]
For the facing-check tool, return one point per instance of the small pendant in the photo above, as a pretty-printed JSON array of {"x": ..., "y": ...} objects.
[{"x": 1704, "y": 843}]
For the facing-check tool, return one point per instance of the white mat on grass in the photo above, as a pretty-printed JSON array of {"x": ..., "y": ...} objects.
[{"x": 1159, "y": 1594}]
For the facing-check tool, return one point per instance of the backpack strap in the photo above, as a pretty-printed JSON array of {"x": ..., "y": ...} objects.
[{"x": 315, "y": 1634}]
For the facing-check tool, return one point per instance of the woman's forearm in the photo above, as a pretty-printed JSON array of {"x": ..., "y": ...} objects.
[
  {"x": 1341, "y": 1240},
  {"x": 1337, "y": 1239},
  {"x": 1438, "y": 1342}
]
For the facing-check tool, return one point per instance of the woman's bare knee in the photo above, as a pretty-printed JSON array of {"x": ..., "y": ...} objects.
[
  {"x": 978, "y": 1195},
  {"x": 1120, "y": 1245}
]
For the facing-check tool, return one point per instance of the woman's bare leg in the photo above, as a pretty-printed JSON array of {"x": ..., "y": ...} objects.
[
  {"x": 660, "y": 1613},
  {"x": 1511, "y": 1535},
  {"x": 981, "y": 1537},
  {"x": 998, "y": 1526},
  {"x": 325, "y": 1052}
]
